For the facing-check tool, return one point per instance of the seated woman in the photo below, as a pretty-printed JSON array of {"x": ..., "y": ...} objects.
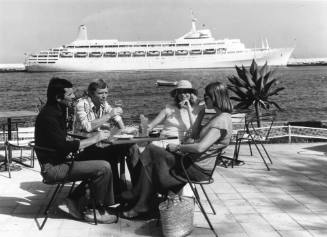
[
  {"x": 157, "y": 162},
  {"x": 178, "y": 117}
]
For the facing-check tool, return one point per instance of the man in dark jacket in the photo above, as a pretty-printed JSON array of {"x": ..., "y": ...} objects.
[{"x": 50, "y": 132}]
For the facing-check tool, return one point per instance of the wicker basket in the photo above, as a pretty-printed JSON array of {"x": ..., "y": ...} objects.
[{"x": 176, "y": 214}]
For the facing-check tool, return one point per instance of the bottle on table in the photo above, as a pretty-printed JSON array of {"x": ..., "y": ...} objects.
[{"x": 144, "y": 125}]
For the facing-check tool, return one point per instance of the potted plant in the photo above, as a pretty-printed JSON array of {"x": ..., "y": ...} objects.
[{"x": 254, "y": 87}]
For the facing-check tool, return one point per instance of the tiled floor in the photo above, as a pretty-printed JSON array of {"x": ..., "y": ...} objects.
[{"x": 289, "y": 200}]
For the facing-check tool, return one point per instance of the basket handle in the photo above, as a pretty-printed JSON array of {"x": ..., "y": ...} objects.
[{"x": 172, "y": 199}]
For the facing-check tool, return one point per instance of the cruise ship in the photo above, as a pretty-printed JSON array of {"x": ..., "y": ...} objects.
[{"x": 195, "y": 49}]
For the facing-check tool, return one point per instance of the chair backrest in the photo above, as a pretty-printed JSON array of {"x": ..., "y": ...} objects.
[
  {"x": 45, "y": 151},
  {"x": 219, "y": 153},
  {"x": 267, "y": 118},
  {"x": 41, "y": 151},
  {"x": 238, "y": 118},
  {"x": 25, "y": 134},
  {"x": 4, "y": 135}
]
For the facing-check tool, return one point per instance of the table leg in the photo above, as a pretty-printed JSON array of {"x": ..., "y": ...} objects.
[
  {"x": 9, "y": 128},
  {"x": 123, "y": 182}
]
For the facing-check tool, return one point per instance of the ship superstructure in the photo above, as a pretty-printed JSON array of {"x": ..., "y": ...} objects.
[{"x": 195, "y": 49}]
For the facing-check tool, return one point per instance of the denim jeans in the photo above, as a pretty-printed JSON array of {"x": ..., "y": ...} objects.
[{"x": 98, "y": 171}]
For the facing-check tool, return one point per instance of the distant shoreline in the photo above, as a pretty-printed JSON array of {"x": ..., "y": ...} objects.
[{"x": 292, "y": 62}]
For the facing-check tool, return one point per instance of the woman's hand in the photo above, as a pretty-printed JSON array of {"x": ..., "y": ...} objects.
[
  {"x": 172, "y": 147},
  {"x": 185, "y": 104},
  {"x": 188, "y": 141}
]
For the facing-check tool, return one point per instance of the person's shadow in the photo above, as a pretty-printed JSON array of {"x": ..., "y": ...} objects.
[{"x": 33, "y": 206}]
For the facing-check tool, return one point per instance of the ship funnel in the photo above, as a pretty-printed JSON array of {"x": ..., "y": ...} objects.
[
  {"x": 194, "y": 20},
  {"x": 82, "y": 33},
  {"x": 267, "y": 45}
]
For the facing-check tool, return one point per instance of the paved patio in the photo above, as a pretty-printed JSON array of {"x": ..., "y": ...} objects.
[{"x": 289, "y": 200}]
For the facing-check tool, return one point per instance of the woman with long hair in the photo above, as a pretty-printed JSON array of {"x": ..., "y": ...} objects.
[{"x": 201, "y": 154}]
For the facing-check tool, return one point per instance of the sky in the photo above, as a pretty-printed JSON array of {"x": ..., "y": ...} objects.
[{"x": 28, "y": 26}]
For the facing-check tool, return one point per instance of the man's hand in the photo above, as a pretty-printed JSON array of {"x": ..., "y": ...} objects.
[
  {"x": 102, "y": 135},
  {"x": 116, "y": 111}
]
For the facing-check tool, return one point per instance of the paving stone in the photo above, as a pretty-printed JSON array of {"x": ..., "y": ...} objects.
[
  {"x": 289, "y": 200},
  {"x": 318, "y": 233},
  {"x": 282, "y": 221},
  {"x": 294, "y": 233}
]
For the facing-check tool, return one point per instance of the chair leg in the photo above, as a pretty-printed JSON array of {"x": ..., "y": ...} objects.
[
  {"x": 264, "y": 148},
  {"x": 261, "y": 155},
  {"x": 71, "y": 188},
  {"x": 202, "y": 209},
  {"x": 236, "y": 151},
  {"x": 21, "y": 155},
  {"x": 93, "y": 197},
  {"x": 221, "y": 159},
  {"x": 32, "y": 158},
  {"x": 249, "y": 142},
  {"x": 7, "y": 160},
  {"x": 46, "y": 211},
  {"x": 57, "y": 190},
  {"x": 205, "y": 193},
  {"x": 196, "y": 192}
]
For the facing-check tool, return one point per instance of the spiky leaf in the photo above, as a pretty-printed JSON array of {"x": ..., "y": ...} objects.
[
  {"x": 253, "y": 87},
  {"x": 253, "y": 67}
]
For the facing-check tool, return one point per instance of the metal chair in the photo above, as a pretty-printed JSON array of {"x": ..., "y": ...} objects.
[
  {"x": 41, "y": 151},
  {"x": 5, "y": 162},
  {"x": 193, "y": 184},
  {"x": 238, "y": 119},
  {"x": 252, "y": 134},
  {"x": 24, "y": 135}
]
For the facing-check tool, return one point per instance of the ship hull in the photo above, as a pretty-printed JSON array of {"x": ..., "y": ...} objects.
[{"x": 274, "y": 57}]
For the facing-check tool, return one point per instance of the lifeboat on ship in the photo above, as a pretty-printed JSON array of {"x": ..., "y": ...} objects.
[
  {"x": 221, "y": 50},
  {"x": 209, "y": 51},
  {"x": 66, "y": 54},
  {"x": 110, "y": 54},
  {"x": 139, "y": 54},
  {"x": 95, "y": 54},
  {"x": 181, "y": 52},
  {"x": 195, "y": 51},
  {"x": 167, "y": 53},
  {"x": 124, "y": 54},
  {"x": 153, "y": 53},
  {"x": 80, "y": 54}
]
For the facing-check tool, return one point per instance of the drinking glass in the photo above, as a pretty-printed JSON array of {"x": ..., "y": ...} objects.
[{"x": 118, "y": 103}]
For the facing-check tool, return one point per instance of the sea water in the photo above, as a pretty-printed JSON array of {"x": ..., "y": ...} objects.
[{"x": 303, "y": 99}]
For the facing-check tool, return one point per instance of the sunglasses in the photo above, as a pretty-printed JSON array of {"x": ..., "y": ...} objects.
[
  {"x": 206, "y": 97},
  {"x": 183, "y": 91}
]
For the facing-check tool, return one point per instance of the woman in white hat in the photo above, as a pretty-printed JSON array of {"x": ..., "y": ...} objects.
[{"x": 177, "y": 118}]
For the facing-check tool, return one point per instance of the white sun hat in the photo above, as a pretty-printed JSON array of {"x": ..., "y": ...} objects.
[{"x": 184, "y": 85}]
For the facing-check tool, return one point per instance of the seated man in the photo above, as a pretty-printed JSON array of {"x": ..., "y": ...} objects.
[
  {"x": 50, "y": 132},
  {"x": 92, "y": 112}
]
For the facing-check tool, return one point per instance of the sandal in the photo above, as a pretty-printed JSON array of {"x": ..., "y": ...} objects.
[{"x": 132, "y": 214}]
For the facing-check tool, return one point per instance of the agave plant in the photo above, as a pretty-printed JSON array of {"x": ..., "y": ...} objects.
[{"x": 254, "y": 87}]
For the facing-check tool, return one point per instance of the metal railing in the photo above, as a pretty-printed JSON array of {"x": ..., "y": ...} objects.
[{"x": 293, "y": 131}]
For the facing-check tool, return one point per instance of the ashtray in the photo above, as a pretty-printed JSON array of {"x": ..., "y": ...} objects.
[{"x": 154, "y": 133}]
